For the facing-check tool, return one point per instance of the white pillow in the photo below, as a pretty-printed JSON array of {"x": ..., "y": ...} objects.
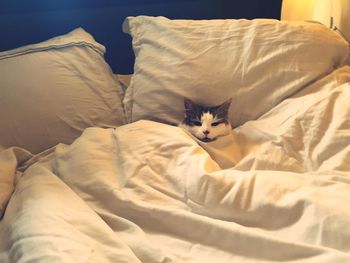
[
  {"x": 256, "y": 62},
  {"x": 51, "y": 91}
]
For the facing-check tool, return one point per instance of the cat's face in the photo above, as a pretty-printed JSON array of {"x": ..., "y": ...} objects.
[{"x": 206, "y": 123}]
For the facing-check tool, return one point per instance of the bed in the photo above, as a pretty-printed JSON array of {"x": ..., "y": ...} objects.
[{"x": 93, "y": 167}]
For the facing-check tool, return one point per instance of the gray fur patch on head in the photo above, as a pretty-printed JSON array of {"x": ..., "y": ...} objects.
[{"x": 194, "y": 112}]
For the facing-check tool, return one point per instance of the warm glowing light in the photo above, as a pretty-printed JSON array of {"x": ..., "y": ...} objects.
[
  {"x": 332, "y": 13},
  {"x": 298, "y": 9}
]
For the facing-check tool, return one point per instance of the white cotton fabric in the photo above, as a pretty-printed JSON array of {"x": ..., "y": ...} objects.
[
  {"x": 10, "y": 160},
  {"x": 148, "y": 192},
  {"x": 51, "y": 91},
  {"x": 256, "y": 62}
]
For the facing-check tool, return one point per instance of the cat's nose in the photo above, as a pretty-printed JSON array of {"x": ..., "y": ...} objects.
[{"x": 206, "y": 132}]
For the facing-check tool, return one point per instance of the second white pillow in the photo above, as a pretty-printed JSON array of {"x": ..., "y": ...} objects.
[{"x": 257, "y": 63}]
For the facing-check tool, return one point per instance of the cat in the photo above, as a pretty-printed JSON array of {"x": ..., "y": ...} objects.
[{"x": 206, "y": 123}]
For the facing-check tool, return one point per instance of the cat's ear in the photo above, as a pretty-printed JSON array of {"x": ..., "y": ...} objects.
[
  {"x": 225, "y": 106},
  {"x": 189, "y": 104},
  {"x": 221, "y": 111}
]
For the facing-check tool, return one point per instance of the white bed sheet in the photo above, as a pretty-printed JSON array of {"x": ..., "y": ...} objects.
[{"x": 149, "y": 192}]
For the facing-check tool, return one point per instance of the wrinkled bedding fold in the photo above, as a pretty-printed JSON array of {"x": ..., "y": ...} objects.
[{"x": 149, "y": 192}]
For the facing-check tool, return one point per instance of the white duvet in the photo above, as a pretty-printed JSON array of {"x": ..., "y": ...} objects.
[{"x": 276, "y": 190}]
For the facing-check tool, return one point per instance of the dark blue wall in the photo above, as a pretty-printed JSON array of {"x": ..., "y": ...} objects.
[{"x": 25, "y": 22}]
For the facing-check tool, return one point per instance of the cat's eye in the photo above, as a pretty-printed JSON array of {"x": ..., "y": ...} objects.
[
  {"x": 197, "y": 123},
  {"x": 215, "y": 123}
]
